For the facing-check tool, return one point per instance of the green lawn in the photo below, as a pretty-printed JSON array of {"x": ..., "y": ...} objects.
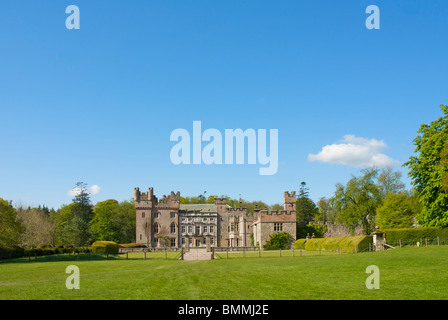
[{"x": 407, "y": 273}]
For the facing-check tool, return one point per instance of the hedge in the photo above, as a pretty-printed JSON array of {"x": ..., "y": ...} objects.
[
  {"x": 345, "y": 244},
  {"x": 105, "y": 247},
  {"x": 17, "y": 252},
  {"x": 406, "y": 236},
  {"x": 299, "y": 244},
  {"x": 11, "y": 252},
  {"x": 133, "y": 245}
]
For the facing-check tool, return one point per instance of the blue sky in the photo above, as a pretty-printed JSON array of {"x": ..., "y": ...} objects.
[{"x": 98, "y": 104}]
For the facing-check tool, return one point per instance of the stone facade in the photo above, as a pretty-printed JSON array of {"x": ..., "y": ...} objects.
[
  {"x": 166, "y": 222},
  {"x": 268, "y": 222}
]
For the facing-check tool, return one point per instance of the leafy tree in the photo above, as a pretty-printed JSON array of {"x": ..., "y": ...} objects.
[
  {"x": 10, "y": 227},
  {"x": 101, "y": 225},
  {"x": 398, "y": 210},
  {"x": 278, "y": 241},
  {"x": 60, "y": 218},
  {"x": 357, "y": 201},
  {"x": 277, "y": 207},
  {"x": 390, "y": 181},
  {"x": 327, "y": 213},
  {"x": 428, "y": 171},
  {"x": 124, "y": 221},
  {"x": 38, "y": 229},
  {"x": 76, "y": 233}
]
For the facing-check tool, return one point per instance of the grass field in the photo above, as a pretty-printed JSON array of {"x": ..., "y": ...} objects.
[{"x": 407, "y": 273}]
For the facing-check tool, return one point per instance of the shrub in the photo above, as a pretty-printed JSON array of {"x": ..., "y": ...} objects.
[
  {"x": 105, "y": 247},
  {"x": 346, "y": 244},
  {"x": 413, "y": 235},
  {"x": 278, "y": 241},
  {"x": 299, "y": 244}
]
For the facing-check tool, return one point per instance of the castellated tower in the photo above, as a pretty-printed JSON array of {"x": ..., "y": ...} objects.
[
  {"x": 289, "y": 201},
  {"x": 267, "y": 222}
]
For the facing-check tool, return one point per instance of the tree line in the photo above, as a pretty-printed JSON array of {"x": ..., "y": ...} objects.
[
  {"x": 77, "y": 224},
  {"x": 377, "y": 197}
]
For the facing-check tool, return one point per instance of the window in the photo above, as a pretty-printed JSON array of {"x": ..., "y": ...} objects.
[
  {"x": 173, "y": 227},
  {"x": 183, "y": 229},
  {"x": 204, "y": 241},
  {"x": 211, "y": 229},
  {"x": 190, "y": 229},
  {"x": 278, "y": 226},
  {"x": 198, "y": 229},
  {"x": 172, "y": 215},
  {"x": 173, "y": 242},
  {"x": 156, "y": 214},
  {"x": 143, "y": 214},
  {"x": 204, "y": 229},
  {"x": 204, "y": 219},
  {"x": 211, "y": 240},
  {"x": 183, "y": 241},
  {"x": 156, "y": 227},
  {"x": 140, "y": 237}
]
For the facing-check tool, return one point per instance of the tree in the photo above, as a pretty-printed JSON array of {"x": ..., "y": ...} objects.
[
  {"x": 83, "y": 206},
  {"x": 306, "y": 210},
  {"x": 10, "y": 227},
  {"x": 428, "y": 170},
  {"x": 327, "y": 213},
  {"x": 38, "y": 229},
  {"x": 76, "y": 233},
  {"x": 60, "y": 218},
  {"x": 123, "y": 221},
  {"x": 101, "y": 225},
  {"x": 279, "y": 241},
  {"x": 398, "y": 210},
  {"x": 390, "y": 181},
  {"x": 357, "y": 201}
]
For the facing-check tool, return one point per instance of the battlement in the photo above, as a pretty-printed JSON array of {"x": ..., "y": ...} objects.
[
  {"x": 220, "y": 201},
  {"x": 289, "y": 197},
  {"x": 275, "y": 216},
  {"x": 239, "y": 209}
]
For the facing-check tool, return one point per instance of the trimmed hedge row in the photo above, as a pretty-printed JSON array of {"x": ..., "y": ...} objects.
[
  {"x": 133, "y": 245},
  {"x": 97, "y": 247},
  {"x": 105, "y": 247},
  {"x": 11, "y": 253},
  {"x": 343, "y": 244},
  {"x": 414, "y": 235},
  {"x": 299, "y": 244}
]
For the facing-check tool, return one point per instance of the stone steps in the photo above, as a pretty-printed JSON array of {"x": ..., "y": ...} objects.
[{"x": 198, "y": 254}]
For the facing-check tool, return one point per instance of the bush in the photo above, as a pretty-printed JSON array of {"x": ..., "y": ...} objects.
[
  {"x": 299, "y": 244},
  {"x": 346, "y": 244},
  {"x": 407, "y": 236},
  {"x": 105, "y": 247},
  {"x": 278, "y": 241}
]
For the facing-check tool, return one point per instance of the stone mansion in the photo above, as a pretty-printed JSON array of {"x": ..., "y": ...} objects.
[{"x": 207, "y": 225}]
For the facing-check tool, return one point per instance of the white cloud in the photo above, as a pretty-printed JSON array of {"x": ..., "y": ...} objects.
[
  {"x": 356, "y": 152},
  {"x": 95, "y": 189},
  {"x": 92, "y": 190}
]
